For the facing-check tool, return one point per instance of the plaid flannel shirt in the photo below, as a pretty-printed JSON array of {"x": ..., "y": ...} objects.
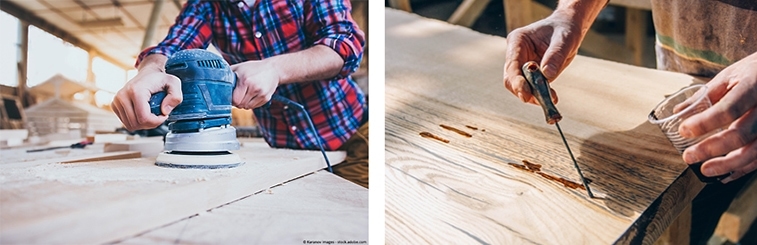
[{"x": 247, "y": 30}]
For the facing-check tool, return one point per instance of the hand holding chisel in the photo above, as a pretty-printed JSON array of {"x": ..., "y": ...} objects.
[{"x": 542, "y": 92}]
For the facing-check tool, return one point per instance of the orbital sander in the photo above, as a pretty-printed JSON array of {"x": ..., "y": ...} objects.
[{"x": 200, "y": 132}]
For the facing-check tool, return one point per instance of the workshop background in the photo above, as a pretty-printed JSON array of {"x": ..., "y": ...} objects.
[{"x": 63, "y": 61}]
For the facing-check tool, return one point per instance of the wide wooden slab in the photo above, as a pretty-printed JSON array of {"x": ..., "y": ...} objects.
[
  {"x": 336, "y": 210},
  {"x": 96, "y": 202},
  {"x": 468, "y": 191}
]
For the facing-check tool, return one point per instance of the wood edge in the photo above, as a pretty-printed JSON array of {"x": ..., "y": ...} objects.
[
  {"x": 106, "y": 156},
  {"x": 680, "y": 194}
]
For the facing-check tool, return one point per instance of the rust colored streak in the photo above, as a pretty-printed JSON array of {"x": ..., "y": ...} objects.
[
  {"x": 463, "y": 133},
  {"x": 566, "y": 183},
  {"x": 471, "y": 127},
  {"x": 532, "y": 166},
  {"x": 521, "y": 167},
  {"x": 429, "y": 135}
]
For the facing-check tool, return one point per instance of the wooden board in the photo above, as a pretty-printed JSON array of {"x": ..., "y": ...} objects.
[
  {"x": 98, "y": 202},
  {"x": 466, "y": 191},
  {"x": 736, "y": 221},
  {"x": 336, "y": 210},
  {"x": 148, "y": 146}
]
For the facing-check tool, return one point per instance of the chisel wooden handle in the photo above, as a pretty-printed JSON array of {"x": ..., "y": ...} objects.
[{"x": 540, "y": 89}]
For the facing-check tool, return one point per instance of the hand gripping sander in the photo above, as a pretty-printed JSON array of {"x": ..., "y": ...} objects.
[{"x": 200, "y": 132}]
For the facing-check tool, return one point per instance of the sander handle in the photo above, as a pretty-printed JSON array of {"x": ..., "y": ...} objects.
[{"x": 155, "y": 101}]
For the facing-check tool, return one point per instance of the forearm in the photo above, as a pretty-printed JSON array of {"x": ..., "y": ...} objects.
[
  {"x": 582, "y": 12},
  {"x": 315, "y": 63},
  {"x": 153, "y": 62}
]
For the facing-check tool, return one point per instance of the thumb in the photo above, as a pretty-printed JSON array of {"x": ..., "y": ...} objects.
[
  {"x": 554, "y": 58},
  {"x": 174, "y": 96}
]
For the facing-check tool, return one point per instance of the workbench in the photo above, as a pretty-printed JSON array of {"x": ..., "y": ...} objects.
[
  {"x": 84, "y": 196},
  {"x": 457, "y": 143}
]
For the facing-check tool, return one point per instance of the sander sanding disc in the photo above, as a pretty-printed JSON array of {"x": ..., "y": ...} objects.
[{"x": 198, "y": 160}]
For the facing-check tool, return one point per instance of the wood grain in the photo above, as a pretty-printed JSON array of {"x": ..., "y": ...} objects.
[
  {"x": 336, "y": 210},
  {"x": 98, "y": 202},
  {"x": 465, "y": 191}
]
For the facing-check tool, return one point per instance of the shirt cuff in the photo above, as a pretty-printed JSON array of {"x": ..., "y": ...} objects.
[
  {"x": 348, "y": 47},
  {"x": 167, "y": 51}
]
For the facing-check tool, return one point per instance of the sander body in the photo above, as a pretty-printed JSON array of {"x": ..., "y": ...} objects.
[{"x": 200, "y": 132}]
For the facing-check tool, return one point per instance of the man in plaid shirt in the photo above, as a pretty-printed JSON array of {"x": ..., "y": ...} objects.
[{"x": 304, "y": 50}]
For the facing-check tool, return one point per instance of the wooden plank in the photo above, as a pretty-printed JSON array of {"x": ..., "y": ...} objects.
[
  {"x": 103, "y": 201},
  {"x": 736, "y": 221},
  {"x": 336, "y": 210},
  {"x": 401, "y": 5},
  {"x": 636, "y": 32},
  {"x": 27, "y": 160},
  {"x": 457, "y": 82},
  {"x": 149, "y": 147},
  {"x": 517, "y": 14},
  {"x": 468, "y": 12}
]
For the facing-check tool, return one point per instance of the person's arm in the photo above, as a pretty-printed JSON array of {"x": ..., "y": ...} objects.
[
  {"x": 552, "y": 42},
  {"x": 733, "y": 93},
  {"x": 336, "y": 51},
  {"x": 131, "y": 102}
]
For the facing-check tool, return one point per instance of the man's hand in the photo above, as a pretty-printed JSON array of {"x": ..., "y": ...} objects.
[
  {"x": 552, "y": 42},
  {"x": 131, "y": 102},
  {"x": 733, "y": 93},
  {"x": 256, "y": 83}
]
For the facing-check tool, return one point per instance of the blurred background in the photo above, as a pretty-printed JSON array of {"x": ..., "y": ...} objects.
[
  {"x": 623, "y": 32},
  {"x": 63, "y": 61}
]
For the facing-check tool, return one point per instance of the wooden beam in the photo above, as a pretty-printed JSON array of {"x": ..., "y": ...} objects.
[
  {"x": 737, "y": 219},
  {"x": 401, "y": 5},
  {"x": 468, "y": 12},
  {"x": 517, "y": 14},
  {"x": 151, "y": 24},
  {"x": 636, "y": 33},
  {"x": 22, "y": 61},
  {"x": 22, "y": 14}
]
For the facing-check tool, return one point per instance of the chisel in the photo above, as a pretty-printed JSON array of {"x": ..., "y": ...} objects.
[{"x": 543, "y": 94}]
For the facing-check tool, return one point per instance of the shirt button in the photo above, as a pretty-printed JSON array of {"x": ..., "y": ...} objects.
[
  {"x": 294, "y": 128},
  {"x": 286, "y": 107},
  {"x": 258, "y": 34}
]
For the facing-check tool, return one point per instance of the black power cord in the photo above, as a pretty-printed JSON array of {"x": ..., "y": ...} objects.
[{"x": 288, "y": 102}]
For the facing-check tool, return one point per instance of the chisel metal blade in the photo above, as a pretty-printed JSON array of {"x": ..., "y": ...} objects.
[{"x": 575, "y": 164}]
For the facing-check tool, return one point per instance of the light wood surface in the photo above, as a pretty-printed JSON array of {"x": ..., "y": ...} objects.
[
  {"x": 466, "y": 191},
  {"x": 336, "y": 210},
  {"x": 96, "y": 202}
]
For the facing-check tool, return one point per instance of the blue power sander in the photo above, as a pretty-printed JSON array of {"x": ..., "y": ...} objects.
[{"x": 200, "y": 132}]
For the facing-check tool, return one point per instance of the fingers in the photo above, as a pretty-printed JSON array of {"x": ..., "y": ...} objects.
[
  {"x": 736, "y": 101},
  {"x": 174, "y": 96},
  {"x": 514, "y": 80},
  {"x": 248, "y": 95},
  {"x": 740, "y": 159},
  {"x": 140, "y": 107},
  {"x": 555, "y": 58},
  {"x": 740, "y": 133},
  {"x": 741, "y": 172}
]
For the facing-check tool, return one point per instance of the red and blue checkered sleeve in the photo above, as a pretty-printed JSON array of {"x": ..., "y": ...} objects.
[
  {"x": 191, "y": 30},
  {"x": 329, "y": 23}
]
